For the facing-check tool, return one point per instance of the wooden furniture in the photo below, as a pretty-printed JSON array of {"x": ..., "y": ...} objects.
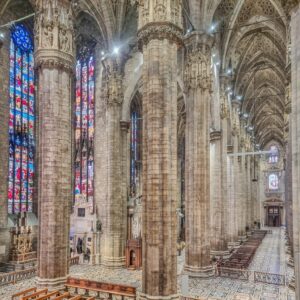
[
  {"x": 23, "y": 293},
  {"x": 133, "y": 254},
  {"x": 100, "y": 287},
  {"x": 35, "y": 295},
  {"x": 242, "y": 258}
]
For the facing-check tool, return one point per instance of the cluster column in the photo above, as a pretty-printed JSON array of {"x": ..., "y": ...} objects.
[
  {"x": 295, "y": 120},
  {"x": 198, "y": 84},
  {"x": 111, "y": 197},
  {"x": 159, "y": 36},
  {"x": 54, "y": 60}
]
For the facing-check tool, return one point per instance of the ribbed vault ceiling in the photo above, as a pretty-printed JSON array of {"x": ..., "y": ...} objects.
[{"x": 253, "y": 37}]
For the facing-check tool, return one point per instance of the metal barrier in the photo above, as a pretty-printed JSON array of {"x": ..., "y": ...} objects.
[
  {"x": 13, "y": 277},
  {"x": 234, "y": 273},
  {"x": 74, "y": 260},
  {"x": 276, "y": 279}
]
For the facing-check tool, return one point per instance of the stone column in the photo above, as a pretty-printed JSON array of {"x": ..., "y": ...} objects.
[
  {"x": 4, "y": 145},
  {"x": 159, "y": 35},
  {"x": 54, "y": 60},
  {"x": 295, "y": 119},
  {"x": 232, "y": 226},
  {"x": 112, "y": 201},
  {"x": 236, "y": 208},
  {"x": 242, "y": 192},
  {"x": 249, "y": 221},
  {"x": 198, "y": 80}
]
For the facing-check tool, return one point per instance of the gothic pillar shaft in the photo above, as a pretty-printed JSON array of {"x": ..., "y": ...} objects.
[
  {"x": 113, "y": 211},
  {"x": 159, "y": 33},
  {"x": 295, "y": 119},
  {"x": 54, "y": 61},
  {"x": 4, "y": 145},
  {"x": 232, "y": 225},
  {"x": 248, "y": 195},
  {"x": 218, "y": 201},
  {"x": 198, "y": 79},
  {"x": 243, "y": 195}
]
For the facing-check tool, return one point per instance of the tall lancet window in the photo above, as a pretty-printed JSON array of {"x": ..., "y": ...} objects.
[
  {"x": 135, "y": 147},
  {"x": 21, "y": 121},
  {"x": 84, "y": 127}
]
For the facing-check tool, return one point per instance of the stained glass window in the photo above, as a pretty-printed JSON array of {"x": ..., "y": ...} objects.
[
  {"x": 273, "y": 182},
  {"x": 21, "y": 122},
  {"x": 135, "y": 147},
  {"x": 274, "y": 155},
  {"x": 84, "y": 130}
]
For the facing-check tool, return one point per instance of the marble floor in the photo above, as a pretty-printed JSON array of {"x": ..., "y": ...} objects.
[{"x": 270, "y": 257}]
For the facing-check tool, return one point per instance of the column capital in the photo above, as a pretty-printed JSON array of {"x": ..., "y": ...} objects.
[
  {"x": 197, "y": 41},
  {"x": 198, "y": 73},
  {"x": 54, "y": 35},
  {"x": 159, "y": 21},
  {"x": 159, "y": 31}
]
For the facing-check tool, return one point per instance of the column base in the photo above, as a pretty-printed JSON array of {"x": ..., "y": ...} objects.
[
  {"x": 199, "y": 272},
  {"x": 142, "y": 296},
  {"x": 51, "y": 283},
  {"x": 113, "y": 262},
  {"x": 220, "y": 254},
  {"x": 242, "y": 238},
  {"x": 233, "y": 245}
]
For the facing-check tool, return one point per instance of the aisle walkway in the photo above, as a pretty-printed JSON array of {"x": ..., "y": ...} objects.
[{"x": 269, "y": 258}]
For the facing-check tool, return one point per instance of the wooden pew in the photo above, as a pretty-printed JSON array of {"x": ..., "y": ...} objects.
[
  {"x": 23, "y": 293},
  {"x": 63, "y": 296},
  {"x": 76, "y": 298},
  {"x": 49, "y": 295},
  {"x": 35, "y": 295},
  {"x": 100, "y": 287}
]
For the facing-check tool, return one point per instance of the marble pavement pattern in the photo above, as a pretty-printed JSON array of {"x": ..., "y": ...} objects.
[{"x": 270, "y": 257}]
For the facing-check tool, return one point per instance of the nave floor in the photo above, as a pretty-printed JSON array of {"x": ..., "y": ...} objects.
[{"x": 270, "y": 257}]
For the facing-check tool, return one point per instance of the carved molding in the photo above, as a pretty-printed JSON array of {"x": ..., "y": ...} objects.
[
  {"x": 159, "y": 31},
  {"x": 215, "y": 135}
]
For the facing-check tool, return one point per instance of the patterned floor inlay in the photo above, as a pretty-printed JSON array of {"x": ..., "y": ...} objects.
[{"x": 270, "y": 257}]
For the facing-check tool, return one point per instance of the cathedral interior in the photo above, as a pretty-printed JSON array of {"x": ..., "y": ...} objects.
[{"x": 149, "y": 149}]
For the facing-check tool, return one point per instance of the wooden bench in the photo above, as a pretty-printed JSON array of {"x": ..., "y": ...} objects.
[
  {"x": 63, "y": 296},
  {"x": 100, "y": 287},
  {"x": 23, "y": 293},
  {"x": 35, "y": 295},
  {"x": 49, "y": 295}
]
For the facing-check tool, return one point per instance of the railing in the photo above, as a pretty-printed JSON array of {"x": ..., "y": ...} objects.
[
  {"x": 74, "y": 260},
  {"x": 276, "y": 279},
  {"x": 13, "y": 277},
  {"x": 254, "y": 276},
  {"x": 234, "y": 273}
]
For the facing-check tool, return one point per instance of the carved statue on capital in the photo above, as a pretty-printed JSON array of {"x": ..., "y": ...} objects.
[
  {"x": 198, "y": 73},
  {"x": 113, "y": 74},
  {"x": 54, "y": 34}
]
